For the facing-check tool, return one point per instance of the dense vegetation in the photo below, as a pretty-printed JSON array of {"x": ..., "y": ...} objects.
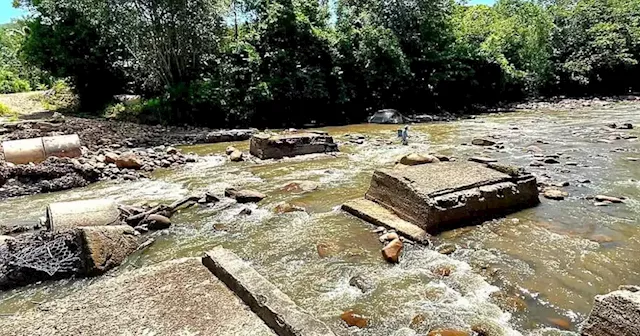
[
  {"x": 16, "y": 75},
  {"x": 290, "y": 62}
]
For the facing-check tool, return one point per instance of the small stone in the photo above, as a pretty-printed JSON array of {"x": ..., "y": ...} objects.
[
  {"x": 129, "y": 160},
  {"x": 354, "y": 320},
  {"x": 605, "y": 198},
  {"x": 110, "y": 157},
  {"x": 300, "y": 187},
  {"x": 534, "y": 149},
  {"x": 414, "y": 159},
  {"x": 551, "y": 160},
  {"x": 447, "y": 248},
  {"x": 361, "y": 283},
  {"x": 633, "y": 159},
  {"x": 571, "y": 163},
  {"x": 392, "y": 251},
  {"x": 561, "y": 184},
  {"x": 481, "y": 159},
  {"x": 324, "y": 250},
  {"x": 487, "y": 328},
  {"x": 561, "y": 323},
  {"x": 448, "y": 332},
  {"x": 388, "y": 237},
  {"x": 443, "y": 271},
  {"x": 536, "y": 164},
  {"x": 171, "y": 151},
  {"x": 555, "y": 194},
  {"x": 158, "y": 222},
  {"x": 605, "y": 203},
  {"x": 482, "y": 142},
  {"x": 601, "y": 238},
  {"x": 379, "y": 229},
  {"x": 244, "y": 196},
  {"x": 236, "y": 156},
  {"x": 245, "y": 212},
  {"x": 584, "y": 181},
  {"x": 230, "y": 150},
  {"x": 417, "y": 321},
  {"x": 286, "y": 207}
]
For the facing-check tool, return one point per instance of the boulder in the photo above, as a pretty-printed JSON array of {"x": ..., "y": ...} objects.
[
  {"x": 106, "y": 247},
  {"x": 614, "y": 314},
  {"x": 300, "y": 187},
  {"x": 392, "y": 251},
  {"x": 266, "y": 146},
  {"x": 482, "y": 142},
  {"x": 244, "y": 196},
  {"x": 129, "y": 160},
  {"x": 417, "y": 159},
  {"x": 361, "y": 283},
  {"x": 447, "y": 195}
]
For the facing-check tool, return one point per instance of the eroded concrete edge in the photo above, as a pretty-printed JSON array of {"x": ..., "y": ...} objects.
[
  {"x": 359, "y": 208},
  {"x": 274, "y": 307}
]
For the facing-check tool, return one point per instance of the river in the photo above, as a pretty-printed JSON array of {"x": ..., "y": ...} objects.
[{"x": 532, "y": 273}]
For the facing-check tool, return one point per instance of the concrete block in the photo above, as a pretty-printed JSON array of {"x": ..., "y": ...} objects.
[
  {"x": 274, "y": 307},
  {"x": 266, "y": 146},
  {"x": 442, "y": 196}
]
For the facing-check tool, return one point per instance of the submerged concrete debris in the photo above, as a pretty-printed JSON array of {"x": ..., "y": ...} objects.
[
  {"x": 267, "y": 146},
  {"x": 274, "y": 307},
  {"x": 438, "y": 197}
]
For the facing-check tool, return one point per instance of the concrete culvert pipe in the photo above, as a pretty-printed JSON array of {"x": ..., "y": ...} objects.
[
  {"x": 38, "y": 149},
  {"x": 68, "y": 215},
  {"x": 62, "y": 146},
  {"x": 24, "y": 151}
]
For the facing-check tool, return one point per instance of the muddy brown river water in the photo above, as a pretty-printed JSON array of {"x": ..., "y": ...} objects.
[{"x": 533, "y": 273}]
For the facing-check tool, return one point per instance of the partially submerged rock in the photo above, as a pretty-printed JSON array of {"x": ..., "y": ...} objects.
[
  {"x": 442, "y": 196},
  {"x": 417, "y": 159},
  {"x": 129, "y": 160},
  {"x": 614, "y": 314},
  {"x": 106, "y": 247},
  {"x": 483, "y": 142},
  {"x": 392, "y": 251},
  {"x": 353, "y": 319},
  {"x": 555, "y": 194},
  {"x": 244, "y": 196},
  {"x": 266, "y": 146},
  {"x": 300, "y": 186}
]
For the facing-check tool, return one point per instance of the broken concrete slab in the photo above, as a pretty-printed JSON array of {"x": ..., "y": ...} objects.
[
  {"x": 177, "y": 297},
  {"x": 442, "y": 196},
  {"x": 267, "y": 146},
  {"x": 274, "y": 307},
  {"x": 106, "y": 247},
  {"x": 614, "y": 314},
  {"x": 374, "y": 213}
]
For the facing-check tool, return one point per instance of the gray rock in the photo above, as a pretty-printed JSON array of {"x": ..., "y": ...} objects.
[{"x": 614, "y": 314}]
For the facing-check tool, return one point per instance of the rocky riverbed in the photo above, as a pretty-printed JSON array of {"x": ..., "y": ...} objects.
[
  {"x": 111, "y": 150},
  {"x": 535, "y": 272}
]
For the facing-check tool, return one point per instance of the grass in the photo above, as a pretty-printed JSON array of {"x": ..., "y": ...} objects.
[{"x": 6, "y": 112}]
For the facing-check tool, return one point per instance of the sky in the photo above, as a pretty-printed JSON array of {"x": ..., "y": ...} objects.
[{"x": 7, "y": 12}]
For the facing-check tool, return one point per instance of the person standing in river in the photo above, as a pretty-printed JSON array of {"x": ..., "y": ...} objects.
[{"x": 405, "y": 135}]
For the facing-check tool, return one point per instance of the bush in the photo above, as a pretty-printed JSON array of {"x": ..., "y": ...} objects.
[{"x": 10, "y": 83}]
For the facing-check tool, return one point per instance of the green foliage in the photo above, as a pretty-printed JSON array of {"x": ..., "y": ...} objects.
[
  {"x": 291, "y": 62},
  {"x": 6, "y": 112},
  {"x": 15, "y": 74}
]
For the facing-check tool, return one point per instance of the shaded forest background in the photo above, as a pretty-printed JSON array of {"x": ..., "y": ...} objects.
[{"x": 228, "y": 63}]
